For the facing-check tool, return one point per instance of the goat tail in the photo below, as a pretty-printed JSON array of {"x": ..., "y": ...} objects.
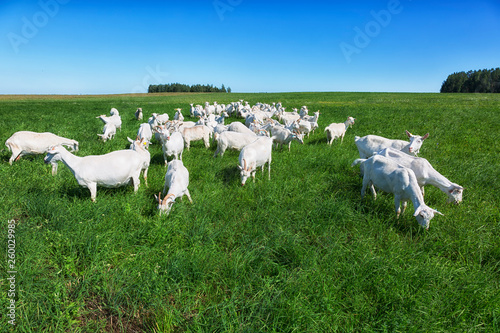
[{"x": 358, "y": 161}]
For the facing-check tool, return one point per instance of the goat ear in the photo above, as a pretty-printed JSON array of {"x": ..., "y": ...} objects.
[
  {"x": 409, "y": 134},
  {"x": 437, "y": 212},
  {"x": 425, "y": 136},
  {"x": 417, "y": 211},
  {"x": 130, "y": 140}
]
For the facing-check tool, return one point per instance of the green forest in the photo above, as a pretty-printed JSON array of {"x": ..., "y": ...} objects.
[
  {"x": 178, "y": 87},
  {"x": 480, "y": 81}
]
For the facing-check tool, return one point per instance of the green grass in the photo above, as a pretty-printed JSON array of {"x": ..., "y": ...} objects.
[{"x": 301, "y": 252}]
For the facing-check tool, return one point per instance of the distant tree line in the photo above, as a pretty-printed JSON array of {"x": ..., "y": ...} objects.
[
  {"x": 481, "y": 81},
  {"x": 178, "y": 87}
]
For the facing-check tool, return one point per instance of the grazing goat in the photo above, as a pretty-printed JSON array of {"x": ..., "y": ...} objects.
[
  {"x": 391, "y": 177},
  {"x": 370, "y": 144},
  {"x": 114, "y": 169},
  {"x": 254, "y": 155},
  {"x": 109, "y": 132},
  {"x": 425, "y": 173},
  {"x": 139, "y": 145},
  {"x": 195, "y": 133},
  {"x": 337, "y": 130},
  {"x": 27, "y": 143},
  {"x": 138, "y": 114},
  {"x": 283, "y": 136},
  {"x": 114, "y": 120},
  {"x": 177, "y": 181},
  {"x": 232, "y": 140}
]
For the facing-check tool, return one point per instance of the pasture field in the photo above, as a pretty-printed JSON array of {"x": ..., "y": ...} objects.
[{"x": 299, "y": 253}]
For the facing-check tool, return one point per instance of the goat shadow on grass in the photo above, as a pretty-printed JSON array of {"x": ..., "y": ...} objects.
[
  {"x": 315, "y": 141},
  {"x": 228, "y": 175},
  {"x": 157, "y": 159},
  {"x": 382, "y": 209}
]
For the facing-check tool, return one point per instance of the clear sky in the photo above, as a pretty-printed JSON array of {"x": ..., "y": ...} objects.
[{"x": 106, "y": 47}]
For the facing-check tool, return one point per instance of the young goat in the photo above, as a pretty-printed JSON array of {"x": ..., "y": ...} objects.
[
  {"x": 115, "y": 119},
  {"x": 391, "y": 177},
  {"x": 337, "y": 130},
  {"x": 425, "y": 173},
  {"x": 283, "y": 136},
  {"x": 254, "y": 155},
  {"x": 177, "y": 181},
  {"x": 138, "y": 114},
  {"x": 109, "y": 132},
  {"x": 114, "y": 169},
  {"x": 28, "y": 143}
]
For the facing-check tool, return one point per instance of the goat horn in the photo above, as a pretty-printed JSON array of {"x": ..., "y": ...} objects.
[
  {"x": 166, "y": 197},
  {"x": 159, "y": 198},
  {"x": 244, "y": 164}
]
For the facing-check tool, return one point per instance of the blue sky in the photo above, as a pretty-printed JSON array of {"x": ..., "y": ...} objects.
[{"x": 106, "y": 47}]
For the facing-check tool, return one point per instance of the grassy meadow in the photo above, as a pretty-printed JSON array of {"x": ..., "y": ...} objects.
[{"x": 299, "y": 253}]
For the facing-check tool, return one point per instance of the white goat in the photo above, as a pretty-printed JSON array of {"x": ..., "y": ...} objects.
[
  {"x": 391, "y": 177},
  {"x": 283, "y": 136},
  {"x": 144, "y": 132},
  {"x": 178, "y": 115},
  {"x": 159, "y": 119},
  {"x": 114, "y": 120},
  {"x": 109, "y": 132},
  {"x": 138, "y": 114},
  {"x": 172, "y": 144},
  {"x": 254, "y": 155},
  {"x": 288, "y": 117},
  {"x": 232, "y": 140},
  {"x": 177, "y": 181},
  {"x": 114, "y": 169},
  {"x": 370, "y": 144},
  {"x": 313, "y": 120},
  {"x": 195, "y": 133},
  {"x": 425, "y": 173},
  {"x": 30, "y": 143},
  {"x": 305, "y": 126},
  {"x": 139, "y": 145},
  {"x": 236, "y": 126},
  {"x": 337, "y": 130}
]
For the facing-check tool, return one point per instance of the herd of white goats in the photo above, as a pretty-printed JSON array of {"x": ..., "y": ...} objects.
[{"x": 390, "y": 165}]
